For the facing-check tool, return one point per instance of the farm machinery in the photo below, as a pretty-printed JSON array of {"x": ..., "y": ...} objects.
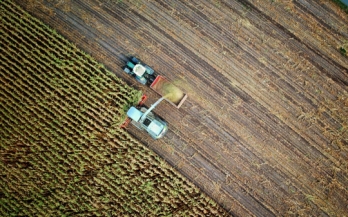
[{"x": 142, "y": 117}]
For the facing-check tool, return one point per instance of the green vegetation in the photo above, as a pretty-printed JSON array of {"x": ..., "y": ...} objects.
[
  {"x": 343, "y": 51},
  {"x": 343, "y": 48},
  {"x": 62, "y": 151}
]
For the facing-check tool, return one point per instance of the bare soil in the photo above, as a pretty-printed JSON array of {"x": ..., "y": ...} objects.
[{"x": 264, "y": 130}]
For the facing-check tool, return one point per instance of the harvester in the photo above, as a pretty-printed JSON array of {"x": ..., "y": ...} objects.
[{"x": 142, "y": 117}]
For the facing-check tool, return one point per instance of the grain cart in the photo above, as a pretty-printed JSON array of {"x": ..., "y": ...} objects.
[{"x": 147, "y": 76}]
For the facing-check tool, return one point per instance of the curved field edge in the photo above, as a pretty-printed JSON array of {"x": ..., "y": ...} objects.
[{"x": 62, "y": 151}]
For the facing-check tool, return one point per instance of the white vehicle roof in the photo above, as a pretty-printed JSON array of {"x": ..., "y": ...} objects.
[
  {"x": 156, "y": 127},
  {"x": 139, "y": 70}
]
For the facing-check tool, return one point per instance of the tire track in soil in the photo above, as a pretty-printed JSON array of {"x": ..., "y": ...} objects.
[{"x": 312, "y": 54}]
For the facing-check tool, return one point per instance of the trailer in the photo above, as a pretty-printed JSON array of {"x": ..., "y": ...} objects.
[{"x": 169, "y": 91}]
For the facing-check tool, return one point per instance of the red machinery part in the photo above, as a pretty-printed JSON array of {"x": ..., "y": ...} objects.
[{"x": 128, "y": 120}]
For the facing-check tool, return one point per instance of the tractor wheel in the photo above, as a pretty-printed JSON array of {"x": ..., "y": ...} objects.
[
  {"x": 149, "y": 70},
  {"x": 127, "y": 70},
  {"x": 151, "y": 79},
  {"x": 134, "y": 60}
]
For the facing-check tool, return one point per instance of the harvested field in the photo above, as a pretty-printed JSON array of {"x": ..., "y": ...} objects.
[
  {"x": 62, "y": 150},
  {"x": 264, "y": 130}
]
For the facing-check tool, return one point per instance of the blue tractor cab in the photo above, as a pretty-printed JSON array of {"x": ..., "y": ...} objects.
[{"x": 142, "y": 73}]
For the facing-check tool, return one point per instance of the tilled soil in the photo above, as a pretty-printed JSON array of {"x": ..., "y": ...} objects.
[{"x": 264, "y": 129}]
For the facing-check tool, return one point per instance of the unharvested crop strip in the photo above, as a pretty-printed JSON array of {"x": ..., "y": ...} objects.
[
  {"x": 81, "y": 91},
  {"x": 39, "y": 85}
]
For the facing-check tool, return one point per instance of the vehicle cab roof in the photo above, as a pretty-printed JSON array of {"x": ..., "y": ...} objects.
[{"x": 134, "y": 113}]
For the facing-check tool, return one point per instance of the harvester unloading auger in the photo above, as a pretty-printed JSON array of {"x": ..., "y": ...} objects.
[{"x": 142, "y": 117}]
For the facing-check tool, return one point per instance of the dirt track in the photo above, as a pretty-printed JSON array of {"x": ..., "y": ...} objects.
[{"x": 264, "y": 130}]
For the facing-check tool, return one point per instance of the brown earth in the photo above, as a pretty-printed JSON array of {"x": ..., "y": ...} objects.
[{"x": 264, "y": 130}]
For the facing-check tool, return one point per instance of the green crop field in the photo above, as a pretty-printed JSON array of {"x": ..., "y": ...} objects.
[{"x": 62, "y": 151}]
